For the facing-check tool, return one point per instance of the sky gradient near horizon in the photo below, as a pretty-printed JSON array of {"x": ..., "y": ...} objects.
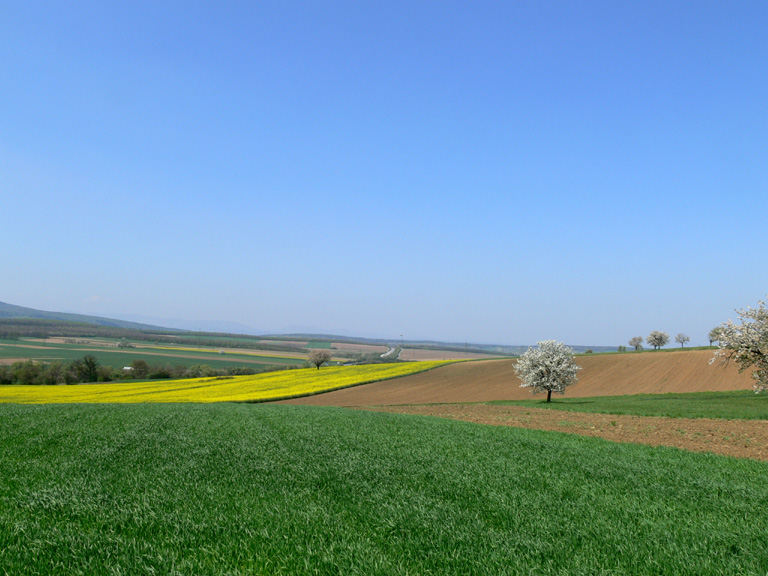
[{"x": 462, "y": 171}]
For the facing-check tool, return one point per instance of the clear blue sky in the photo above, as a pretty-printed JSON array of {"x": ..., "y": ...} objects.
[{"x": 470, "y": 171}]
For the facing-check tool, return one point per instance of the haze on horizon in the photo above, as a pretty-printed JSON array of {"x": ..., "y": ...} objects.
[{"x": 470, "y": 172}]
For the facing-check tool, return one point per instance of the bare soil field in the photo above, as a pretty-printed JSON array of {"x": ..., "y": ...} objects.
[
  {"x": 421, "y": 354},
  {"x": 601, "y": 375},
  {"x": 362, "y": 348}
]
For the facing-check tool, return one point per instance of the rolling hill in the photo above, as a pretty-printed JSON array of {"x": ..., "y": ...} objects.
[
  {"x": 11, "y": 311},
  {"x": 601, "y": 375}
]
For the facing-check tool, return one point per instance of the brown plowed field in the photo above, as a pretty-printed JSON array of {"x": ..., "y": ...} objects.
[
  {"x": 601, "y": 375},
  {"x": 364, "y": 348},
  {"x": 423, "y": 354}
]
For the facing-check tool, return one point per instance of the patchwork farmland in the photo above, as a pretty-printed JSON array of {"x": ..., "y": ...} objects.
[
  {"x": 234, "y": 488},
  {"x": 219, "y": 352}
]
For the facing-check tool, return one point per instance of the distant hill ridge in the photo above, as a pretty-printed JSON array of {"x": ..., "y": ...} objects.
[
  {"x": 10, "y": 312},
  {"x": 13, "y": 311}
]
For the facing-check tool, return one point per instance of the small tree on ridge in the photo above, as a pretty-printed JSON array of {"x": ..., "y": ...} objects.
[
  {"x": 682, "y": 339},
  {"x": 657, "y": 339},
  {"x": 319, "y": 357},
  {"x": 636, "y": 342}
]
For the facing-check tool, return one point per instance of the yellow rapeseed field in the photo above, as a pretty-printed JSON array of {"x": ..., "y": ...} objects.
[{"x": 259, "y": 387}]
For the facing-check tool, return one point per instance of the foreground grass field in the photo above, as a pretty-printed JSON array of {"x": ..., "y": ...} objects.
[
  {"x": 740, "y": 404},
  {"x": 265, "y": 489},
  {"x": 253, "y": 388}
]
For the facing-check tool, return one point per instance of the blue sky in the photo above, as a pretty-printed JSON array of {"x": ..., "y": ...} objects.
[{"x": 468, "y": 171}]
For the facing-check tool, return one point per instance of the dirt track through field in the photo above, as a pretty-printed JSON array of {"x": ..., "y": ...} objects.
[
  {"x": 444, "y": 392},
  {"x": 739, "y": 438}
]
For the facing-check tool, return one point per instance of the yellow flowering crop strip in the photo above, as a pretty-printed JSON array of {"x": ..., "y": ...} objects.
[{"x": 255, "y": 388}]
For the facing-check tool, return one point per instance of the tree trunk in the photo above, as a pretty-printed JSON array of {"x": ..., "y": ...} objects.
[{"x": 549, "y": 395}]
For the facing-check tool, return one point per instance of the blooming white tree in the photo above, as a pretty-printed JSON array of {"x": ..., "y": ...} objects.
[
  {"x": 549, "y": 366},
  {"x": 682, "y": 339},
  {"x": 746, "y": 343},
  {"x": 714, "y": 335},
  {"x": 657, "y": 339},
  {"x": 636, "y": 342}
]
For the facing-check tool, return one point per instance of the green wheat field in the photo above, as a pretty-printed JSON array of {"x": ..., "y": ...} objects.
[{"x": 264, "y": 489}]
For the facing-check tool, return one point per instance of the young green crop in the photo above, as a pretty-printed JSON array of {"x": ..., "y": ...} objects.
[
  {"x": 738, "y": 404},
  {"x": 112, "y": 356},
  {"x": 260, "y": 489},
  {"x": 254, "y": 388}
]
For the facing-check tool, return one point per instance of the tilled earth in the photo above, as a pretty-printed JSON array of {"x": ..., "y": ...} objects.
[
  {"x": 738, "y": 438},
  {"x": 601, "y": 375}
]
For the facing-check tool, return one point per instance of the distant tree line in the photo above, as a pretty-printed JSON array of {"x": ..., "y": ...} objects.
[
  {"x": 658, "y": 339},
  {"x": 85, "y": 369},
  {"x": 12, "y": 328},
  {"x": 88, "y": 369}
]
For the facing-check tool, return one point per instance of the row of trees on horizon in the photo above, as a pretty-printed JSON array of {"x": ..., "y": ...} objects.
[
  {"x": 550, "y": 366},
  {"x": 659, "y": 339}
]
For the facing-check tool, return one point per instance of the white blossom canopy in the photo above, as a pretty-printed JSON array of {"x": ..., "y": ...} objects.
[
  {"x": 746, "y": 343},
  {"x": 548, "y": 367}
]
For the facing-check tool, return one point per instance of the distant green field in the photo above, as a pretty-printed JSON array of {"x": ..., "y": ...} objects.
[
  {"x": 245, "y": 489},
  {"x": 741, "y": 404},
  {"x": 118, "y": 358}
]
